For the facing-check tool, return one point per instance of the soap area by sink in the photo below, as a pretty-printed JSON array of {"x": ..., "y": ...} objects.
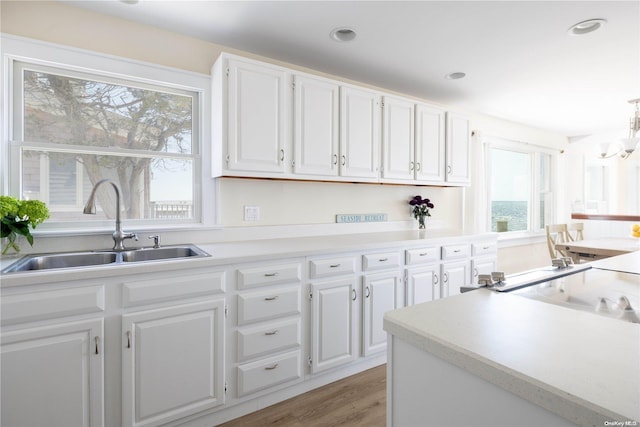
[{"x": 613, "y": 294}]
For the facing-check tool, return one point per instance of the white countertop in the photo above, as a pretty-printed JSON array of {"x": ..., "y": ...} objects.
[
  {"x": 249, "y": 251},
  {"x": 576, "y": 364}
]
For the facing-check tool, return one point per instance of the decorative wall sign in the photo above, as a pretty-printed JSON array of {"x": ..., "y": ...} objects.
[{"x": 370, "y": 217}]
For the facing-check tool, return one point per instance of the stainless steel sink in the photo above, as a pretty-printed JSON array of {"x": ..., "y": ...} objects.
[
  {"x": 100, "y": 258},
  {"x": 168, "y": 252},
  {"x": 64, "y": 260}
]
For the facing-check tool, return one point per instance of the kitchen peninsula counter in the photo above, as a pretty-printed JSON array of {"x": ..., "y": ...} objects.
[{"x": 498, "y": 359}]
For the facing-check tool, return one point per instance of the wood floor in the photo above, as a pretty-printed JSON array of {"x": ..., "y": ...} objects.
[{"x": 359, "y": 400}]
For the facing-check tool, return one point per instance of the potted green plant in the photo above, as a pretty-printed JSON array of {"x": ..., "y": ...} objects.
[{"x": 18, "y": 217}]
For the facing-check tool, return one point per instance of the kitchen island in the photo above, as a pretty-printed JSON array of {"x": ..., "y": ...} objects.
[{"x": 486, "y": 358}]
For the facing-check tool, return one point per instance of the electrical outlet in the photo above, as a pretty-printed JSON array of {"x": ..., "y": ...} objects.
[{"x": 252, "y": 213}]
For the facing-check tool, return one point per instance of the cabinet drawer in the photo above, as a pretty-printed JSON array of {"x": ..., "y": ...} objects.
[
  {"x": 269, "y": 275},
  {"x": 271, "y": 338},
  {"x": 268, "y": 372},
  {"x": 455, "y": 251},
  {"x": 422, "y": 255},
  {"x": 331, "y": 267},
  {"x": 380, "y": 261},
  {"x": 271, "y": 304},
  {"x": 484, "y": 248}
]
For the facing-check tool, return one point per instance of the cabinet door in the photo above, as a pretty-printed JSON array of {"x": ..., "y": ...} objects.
[
  {"x": 430, "y": 144},
  {"x": 359, "y": 133},
  {"x": 381, "y": 293},
  {"x": 316, "y": 104},
  {"x": 423, "y": 284},
  {"x": 333, "y": 324},
  {"x": 256, "y": 117},
  {"x": 53, "y": 376},
  {"x": 172, "y": 363},
  {"x": 458, "y": 149},
  {"x": 454, "y": 275},
  {"x": 397, "y": 139},
  {"x": 479, "y": 266}
]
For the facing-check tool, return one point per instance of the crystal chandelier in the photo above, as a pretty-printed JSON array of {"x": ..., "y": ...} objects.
[{"x": 626, "y": 146}]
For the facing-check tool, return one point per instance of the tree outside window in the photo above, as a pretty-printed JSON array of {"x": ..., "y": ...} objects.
[{"x": 77, "y": 130}]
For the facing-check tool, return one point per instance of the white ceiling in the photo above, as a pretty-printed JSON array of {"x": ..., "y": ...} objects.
[{"x": 520, "y": 62}]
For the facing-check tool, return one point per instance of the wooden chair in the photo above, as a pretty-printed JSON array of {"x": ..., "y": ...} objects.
[
  {"x": 556, "y": 233},
  {"x": 574, "y": 231}
]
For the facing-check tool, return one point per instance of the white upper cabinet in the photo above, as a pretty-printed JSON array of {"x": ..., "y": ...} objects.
[
  {"x": 257, "y": 107},
  {"x": 397, "y": 139},
  {"x": 458, "y": 149},
  {"x": 275, "y": 122},
  {"x": 359, "y": 133},
  {"x": 316, "y": 126},
  {"x": 430, "y": 144}
]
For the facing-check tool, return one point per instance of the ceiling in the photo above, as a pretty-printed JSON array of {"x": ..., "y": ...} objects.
[{"x": 520, "y": 62}]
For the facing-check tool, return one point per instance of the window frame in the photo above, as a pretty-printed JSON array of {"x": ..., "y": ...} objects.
[
  {"x": 118, "y": 69},
  {"x": 535, "y": 152}
]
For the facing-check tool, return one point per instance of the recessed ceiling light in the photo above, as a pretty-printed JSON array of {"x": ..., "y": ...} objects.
[
  {"x": 455, "y": 76},
  {"x": 586, "y": 27},
  {"x": 343, "y": 34}
]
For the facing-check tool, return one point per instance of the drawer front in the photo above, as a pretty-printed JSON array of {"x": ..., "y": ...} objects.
[
  {"x": 484, "y": 248},
  {"x": 51, "y": 304},
  {"x": 455, "y": 251},
  {"x": 269, "y": 372},
  {"x": 172, "y": 288},
  {"x": 279, "y": 302},
  {"x": 269, "y": 275},
  {"x": 331, "y": 267},
  {"x": 422, "y": 255},
  {"x": 380, "y": 261},
  {"x": 271, "y": 338}
]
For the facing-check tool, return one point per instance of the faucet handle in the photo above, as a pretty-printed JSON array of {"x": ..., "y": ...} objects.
[{"x": 156, "y": 241}]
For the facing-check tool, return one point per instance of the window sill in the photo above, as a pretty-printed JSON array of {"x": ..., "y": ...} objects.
[{"x": 510, "y": 239}]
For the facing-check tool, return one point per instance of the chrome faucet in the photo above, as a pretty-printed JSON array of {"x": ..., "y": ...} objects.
[{"x": 90, "y": 208}]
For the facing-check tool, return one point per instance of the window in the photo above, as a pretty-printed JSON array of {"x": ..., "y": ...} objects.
[
  {"x": 73, "y": 126},
  {"x": 521, "y": 188}
]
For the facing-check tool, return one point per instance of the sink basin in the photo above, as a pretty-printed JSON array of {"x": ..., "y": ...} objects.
[
  {"x": 169, "y": 252},
  {"x": 98, "y": 258},
  {"x": 66, "y": 260}
]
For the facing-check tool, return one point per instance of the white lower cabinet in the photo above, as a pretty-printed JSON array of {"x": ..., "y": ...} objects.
[
  {"x": 423, "y": 284},
  {"x": 172, "y": 362},
  {"x": 381, "y": 293},
  {"x": 454, "y": 275},
  {"x": 268, "y": 329},
  {"x": 53, "y": 375},
  {"x": 334, "y": 323}
]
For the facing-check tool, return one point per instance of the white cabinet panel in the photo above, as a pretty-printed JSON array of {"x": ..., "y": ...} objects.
[
  {"x": 268, "y": 338},
  {"x": 53, "y": 376},
  {"x": 398, "y": 139},
  {"x": 333, "y": 324},
  {"x": 422, "y": 255},
  {"x": 430, "y": 144},
  {"x": 316, "y": 125},
  {"x": 454, "y": 275},
  {"x": 458, "y": 149},
  {"x": 256, "y": 103},
  {"x": 264, "y": 305},
  {"x": 268, "y": 372},
  {"x": 423, "y": 284},
  {"x": 359, "y": 133},
  {"x": 172, "y": 363},
  {"x": 381, "y": 293}
]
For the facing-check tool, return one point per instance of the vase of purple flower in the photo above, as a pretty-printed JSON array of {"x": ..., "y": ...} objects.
[{"x": 420, "y": 210}]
